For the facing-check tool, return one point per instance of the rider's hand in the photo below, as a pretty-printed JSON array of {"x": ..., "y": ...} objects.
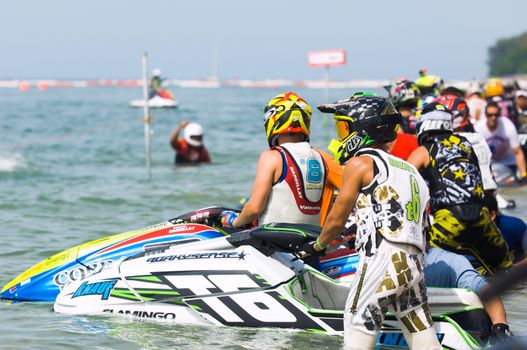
[
  {"x": 183, "y": 124},
  {"x": 228, "y": 217},
  {"x": 500, "y": 332},
  {"x": 309, "y": 253}
]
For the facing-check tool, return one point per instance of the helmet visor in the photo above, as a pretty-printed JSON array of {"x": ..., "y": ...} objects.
[{"x": 343, "y": 129}]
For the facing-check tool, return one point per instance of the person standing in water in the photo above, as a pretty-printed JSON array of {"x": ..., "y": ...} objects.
[
  {"x": 190, "y": 148},
  {"x": 390, "y": 199}
]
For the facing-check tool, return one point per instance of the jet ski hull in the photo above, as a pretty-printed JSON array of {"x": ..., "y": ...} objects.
[
  {"x": 155, "y": 102},
  {"x": 215, "y": 283},
  {"x": 43, "y": 281}
]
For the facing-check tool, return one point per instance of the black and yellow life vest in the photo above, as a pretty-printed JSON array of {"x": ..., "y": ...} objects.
[{"x": 453, "y": 173}]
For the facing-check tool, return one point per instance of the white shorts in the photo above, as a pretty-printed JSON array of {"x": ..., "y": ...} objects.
[{"x": 392, "y": 278}]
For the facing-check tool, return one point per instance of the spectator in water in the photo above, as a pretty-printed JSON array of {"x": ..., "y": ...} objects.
[{"x": 189, "y": 149}]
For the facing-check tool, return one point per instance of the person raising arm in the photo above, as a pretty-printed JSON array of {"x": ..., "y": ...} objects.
[{"x": 189, "y": 149}]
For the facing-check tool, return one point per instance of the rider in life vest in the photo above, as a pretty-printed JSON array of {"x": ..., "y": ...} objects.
[
  {"x": 291, "y": 175},
  {"x": 190, "y": 148},
  {"x": 155, "y": 83},
  {"x": 390, "y": 199},
  {"x": 450, "y": 166},
  {"x": 462, "y": 126}
]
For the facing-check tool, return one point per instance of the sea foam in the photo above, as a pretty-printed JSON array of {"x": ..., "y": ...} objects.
[{"x": 11, "y": 162}]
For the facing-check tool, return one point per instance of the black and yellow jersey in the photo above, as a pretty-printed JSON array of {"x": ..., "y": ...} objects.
[{"x": 453, "y": 173}]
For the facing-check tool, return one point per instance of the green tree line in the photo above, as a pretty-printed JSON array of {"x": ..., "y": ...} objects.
[{"x": 508, "y": 56}]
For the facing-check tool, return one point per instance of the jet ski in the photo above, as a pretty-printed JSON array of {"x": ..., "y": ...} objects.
[
  {"x": 43, "y": 281},
  {"x": 155, "y": 102},
  {"x": 252, "y": 279}
]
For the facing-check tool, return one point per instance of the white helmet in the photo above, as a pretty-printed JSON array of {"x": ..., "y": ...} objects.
[
  {"x": 193, "y": 129},
  {"x": 156, "y": 72},
  {"x": 434, "y": 118}
]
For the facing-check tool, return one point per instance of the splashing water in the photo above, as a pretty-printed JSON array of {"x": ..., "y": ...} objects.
[{"x": 11, "y": 162}]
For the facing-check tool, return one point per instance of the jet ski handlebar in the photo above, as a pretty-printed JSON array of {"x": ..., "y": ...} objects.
[
  {"x": 276, "y": 237},
  {"x": 210, "y": 216}
]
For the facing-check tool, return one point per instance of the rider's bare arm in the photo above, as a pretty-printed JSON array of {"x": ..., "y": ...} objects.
[
  {"x": 520, "y": 160},
  {"x": 268, "y": 171},
  {"x": 357, "y": 173},
  {"x": 175, "y": 135},
  {"x": 419, "y": 158}
]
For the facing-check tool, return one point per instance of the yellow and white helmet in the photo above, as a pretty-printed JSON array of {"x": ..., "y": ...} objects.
[{"x": 286, "y": 113}]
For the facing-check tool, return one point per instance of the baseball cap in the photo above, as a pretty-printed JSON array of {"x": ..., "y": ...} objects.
[{"x": 520, "y": 93}]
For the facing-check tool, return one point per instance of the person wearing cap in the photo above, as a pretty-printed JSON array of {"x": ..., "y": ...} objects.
[
  {"x": 190, "y": 148},
  {"x": 502, "y": 138},
  {"x": 475, "y": 101},
  {"x": 390, "y": 199},
  {"x": 520, "y": 110}
]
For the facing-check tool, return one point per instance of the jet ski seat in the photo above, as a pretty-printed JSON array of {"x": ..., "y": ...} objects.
[{"x": 318, "y": 291}]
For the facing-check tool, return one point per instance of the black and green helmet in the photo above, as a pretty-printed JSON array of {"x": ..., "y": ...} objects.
[{"x": 362, "y": 120}]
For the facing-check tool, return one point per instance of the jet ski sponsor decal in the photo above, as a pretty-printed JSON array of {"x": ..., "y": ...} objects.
[
  {"x": 397, "y": 339},
  {"x": 143, "y": 314},
  {"x": 165, "y": 232},
  {"x": 100, "y": 288},
  {"x": 212, "y": 255},
  {"x": 184, "y": 228},
  {"x": 236, "y": 298},
  {"x": 80, "y": 272},
  {"x": 199, "y": 216}
]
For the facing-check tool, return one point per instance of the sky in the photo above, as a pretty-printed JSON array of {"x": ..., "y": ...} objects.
[{"x": 265, "y": 39}]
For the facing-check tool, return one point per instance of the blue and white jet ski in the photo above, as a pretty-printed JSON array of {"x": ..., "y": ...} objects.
[
  {"x": 43, "y": 281},
  {"x": 251, "y": 279}
]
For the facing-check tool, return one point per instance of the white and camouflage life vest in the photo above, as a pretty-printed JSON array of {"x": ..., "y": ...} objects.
[{"x": 394, "y": 204}]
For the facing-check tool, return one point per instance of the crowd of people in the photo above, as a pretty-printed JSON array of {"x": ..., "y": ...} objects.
[{"x": 415, "y": 171}]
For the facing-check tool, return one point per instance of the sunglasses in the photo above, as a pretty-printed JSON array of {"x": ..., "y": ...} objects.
[{"x": 490, "y": 115}]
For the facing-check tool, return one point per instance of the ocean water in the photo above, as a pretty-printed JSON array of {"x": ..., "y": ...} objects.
[{"x": 72, "y": 169}]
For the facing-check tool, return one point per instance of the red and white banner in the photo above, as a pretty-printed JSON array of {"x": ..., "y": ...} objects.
[{"x": 326, "y": 58}]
